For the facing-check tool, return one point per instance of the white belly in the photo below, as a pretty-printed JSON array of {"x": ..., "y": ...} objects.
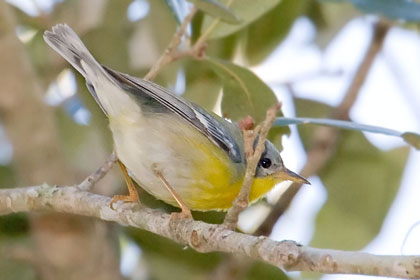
[{"x": 163, "y": 141}]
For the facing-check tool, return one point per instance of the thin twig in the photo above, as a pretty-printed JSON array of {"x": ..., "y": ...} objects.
[
  {"x": 173, "y": 45},
  {"x": 204, "y": 237},
  {"x": 325, "y": 138},
  {"x": 253, "y": 157},
  {"x": 93, "y": 178}
]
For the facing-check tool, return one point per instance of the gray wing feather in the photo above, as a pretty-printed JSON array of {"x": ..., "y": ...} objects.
[
  {"x": 207, "y": 124},
  {"x": 66, "y": 42}
]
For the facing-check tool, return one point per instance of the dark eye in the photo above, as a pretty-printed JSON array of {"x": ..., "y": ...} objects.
[{"x": 265, "y": 162}]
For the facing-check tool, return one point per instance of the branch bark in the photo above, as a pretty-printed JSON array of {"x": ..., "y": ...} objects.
[{"x": 205, "y": 237}]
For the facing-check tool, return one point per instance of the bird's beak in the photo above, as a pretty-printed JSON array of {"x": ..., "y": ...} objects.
[{"x": 285, "y": 174}]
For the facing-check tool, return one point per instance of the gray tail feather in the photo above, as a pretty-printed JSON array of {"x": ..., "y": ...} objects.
[{"x": 66, "y": 42}]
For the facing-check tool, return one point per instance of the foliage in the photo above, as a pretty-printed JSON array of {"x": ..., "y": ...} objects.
[
  {"x": 361, "y": 180},
  {"x": 406, "y": 10}
]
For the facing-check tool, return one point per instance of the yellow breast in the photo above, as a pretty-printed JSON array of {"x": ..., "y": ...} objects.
[
  {"x": 218, "y": 182},
  {"x": 200, "y": 172}
]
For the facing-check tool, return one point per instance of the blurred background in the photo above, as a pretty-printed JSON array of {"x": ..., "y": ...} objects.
[{"x": 365, "y": 188}]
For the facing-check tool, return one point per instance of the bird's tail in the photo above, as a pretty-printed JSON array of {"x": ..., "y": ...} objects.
[
  {"x": 66, "y": 42},
  {"x": 103, "y": 87}
]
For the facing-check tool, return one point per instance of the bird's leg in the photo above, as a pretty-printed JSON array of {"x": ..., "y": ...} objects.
[
  {"x": 185, "y": 211},
  {"x": 133, "y": 195}
]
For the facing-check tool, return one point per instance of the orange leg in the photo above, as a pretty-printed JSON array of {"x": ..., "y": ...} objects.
[
  {"x": 185, "y": 211},
  {"x": 132, "y": 196}
]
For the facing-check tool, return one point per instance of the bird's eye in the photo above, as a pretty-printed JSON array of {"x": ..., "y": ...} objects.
[{"x": 265, "y": 162}]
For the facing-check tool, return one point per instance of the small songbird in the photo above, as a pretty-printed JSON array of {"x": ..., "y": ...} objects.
[{"x": 174, "y": 149}]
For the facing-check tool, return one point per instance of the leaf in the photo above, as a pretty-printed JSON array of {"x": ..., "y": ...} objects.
[
  {"x": 330, "y": 18},
  {"x": 412, "y": 138},
  {"x": 247, "y": 10},
  {"x": 223, "y": 48},
  {"x": 108, "y": 43},
  {"x": 265, "y": 34},
  {"x": 243, "y": 92},
  {"x": 216, "y": 10},
  {"x": 202, "y": 86},
  {"x": 177, "y": 8},
  {"x": 145, "y": 44},
  {"x": 394, "y": 9},
  {"x": 361, "y": 181}
]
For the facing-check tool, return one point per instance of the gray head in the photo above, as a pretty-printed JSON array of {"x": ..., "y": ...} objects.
[{"x": 271, "y": 164}]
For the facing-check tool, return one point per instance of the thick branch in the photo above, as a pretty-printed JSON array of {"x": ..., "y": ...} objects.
[{"x": 205, "y": 237}]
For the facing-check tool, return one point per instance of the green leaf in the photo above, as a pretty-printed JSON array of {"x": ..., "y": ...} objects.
[
  {"x": 108, "y": 42},
  {"x": 243, "y": 92},
  {"x": 330, "y": 18},
  {"x": 247, "y": 10},
  {"x": 394, "y": 9},
  {"x": 265, "y": 34},
  {"x": 202, "y": 86},
  {"x": 175, "y": 9},
  {"x": 361, "y": 181},
  {"x": 223, "y": 48},
  {"x": 216, "y": 10},
  {"x": 412, "y": 138}
]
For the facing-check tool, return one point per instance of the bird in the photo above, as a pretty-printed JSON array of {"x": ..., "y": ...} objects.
[{"x": 174, "y": 149}]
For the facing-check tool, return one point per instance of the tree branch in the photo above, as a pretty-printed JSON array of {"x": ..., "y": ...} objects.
[
  {"x": 325, "y": 138},
  {"x": 252, "y": 158},
  {"x": 205, "y": 237},
  {"x": 93, "y": 178},
  {"x": 167, "y": 55}
]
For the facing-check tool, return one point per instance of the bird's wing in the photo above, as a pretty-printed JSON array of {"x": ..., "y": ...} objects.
[{"x": 207, "y": 124}]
